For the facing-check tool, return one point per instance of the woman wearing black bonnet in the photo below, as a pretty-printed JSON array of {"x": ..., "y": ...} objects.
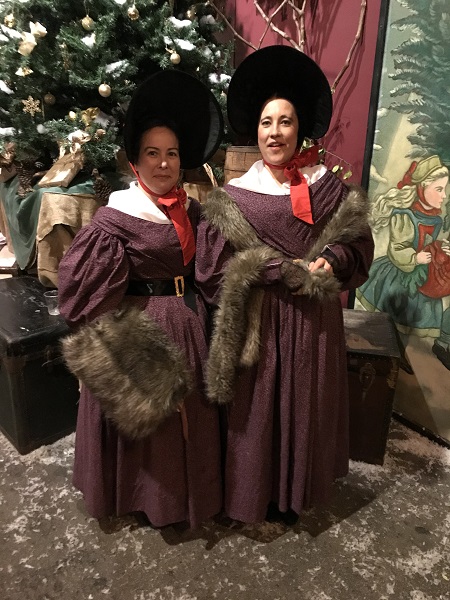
[{"x": 275, "y": 249}]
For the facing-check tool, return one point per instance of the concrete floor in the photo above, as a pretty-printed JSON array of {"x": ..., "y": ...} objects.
[{"x": 385, "y": 536}]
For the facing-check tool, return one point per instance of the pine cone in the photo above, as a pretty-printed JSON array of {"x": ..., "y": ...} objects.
[
  {"x": 25, "y": 174},
  {"x": 102, "y": 187}
]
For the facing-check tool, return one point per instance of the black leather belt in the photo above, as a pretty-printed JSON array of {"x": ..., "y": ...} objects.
[{"x": 182, "y": 287}]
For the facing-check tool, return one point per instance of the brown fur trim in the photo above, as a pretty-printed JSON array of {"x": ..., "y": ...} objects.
[
  {"x": 137, "y": 374},
  {"x": 301, "y": 281},
  {"x": 224, "y": 214},
  {"x": 346, "y": 224},
  {"x": 236, "y": 334},
  {"x": 250, "y": 352},
  {"x": 231, "y": 320}
]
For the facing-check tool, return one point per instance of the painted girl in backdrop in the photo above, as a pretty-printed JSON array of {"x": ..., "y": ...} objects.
[{"x": 412, "y": 282}]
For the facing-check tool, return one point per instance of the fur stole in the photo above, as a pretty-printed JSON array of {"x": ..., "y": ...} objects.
[
  {"x": 236, "y": 333},
  {"x": 137, "y": 374}
]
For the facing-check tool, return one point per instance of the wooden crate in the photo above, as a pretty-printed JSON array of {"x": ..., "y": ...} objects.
[{"x": 373, "y": 361}]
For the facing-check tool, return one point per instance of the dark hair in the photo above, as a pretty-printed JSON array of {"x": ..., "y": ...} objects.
[
  {"x": 280, "y": 96},
  {"x": 144, "y": 126}
]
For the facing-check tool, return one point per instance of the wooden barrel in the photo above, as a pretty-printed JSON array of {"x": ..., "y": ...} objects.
[{"x": 238, "y": 160}]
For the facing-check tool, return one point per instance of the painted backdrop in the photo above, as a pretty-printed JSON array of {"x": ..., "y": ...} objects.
[{"x": 408, "y": 186}]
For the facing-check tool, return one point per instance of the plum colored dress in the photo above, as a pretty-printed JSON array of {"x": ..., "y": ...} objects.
[
  {"x": 166, "y": 476},
  {"x": 287, "y": 432}
]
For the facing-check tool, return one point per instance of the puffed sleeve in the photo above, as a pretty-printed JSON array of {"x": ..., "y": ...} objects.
[
  {"x": 401, "y": 235},
  {"x": 92, "y": 276},
  {"x": 213, "y": 253}
]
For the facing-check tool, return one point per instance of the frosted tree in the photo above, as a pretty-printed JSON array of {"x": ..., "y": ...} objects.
[
  {"x": 68, "y": 69},
  {"x": 422, "y": 68}
]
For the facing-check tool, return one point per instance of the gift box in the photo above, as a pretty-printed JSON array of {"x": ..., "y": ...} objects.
[{"x": 63, "y": 171}]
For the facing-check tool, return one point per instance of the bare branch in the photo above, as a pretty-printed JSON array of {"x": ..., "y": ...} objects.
[
  {"x": 269, "y": 19},
  {"x": 299, "y": 18},
  {"x": 235, "y": 33},
  {"x": 274, "y": 28},
  {"x": 362, "y": 16}
]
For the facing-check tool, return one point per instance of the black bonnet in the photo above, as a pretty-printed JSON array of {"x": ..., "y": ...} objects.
[
  {"x": 283, "y": 72},
  {"x": 174, "y": 97}
]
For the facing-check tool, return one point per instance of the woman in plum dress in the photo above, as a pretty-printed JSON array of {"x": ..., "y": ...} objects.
[
  {"x": 147, "y": 440},
  {"x": 274, "y": 250}
]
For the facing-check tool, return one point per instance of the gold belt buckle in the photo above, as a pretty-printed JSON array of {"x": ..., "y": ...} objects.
[{"x": 179, "y": 285}]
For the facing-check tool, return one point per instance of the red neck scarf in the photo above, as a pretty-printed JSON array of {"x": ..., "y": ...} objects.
[
  {"x": 423, "y": 208},
  {"x": 173, "y": 204},
  {"x": 300, "y": 199}
]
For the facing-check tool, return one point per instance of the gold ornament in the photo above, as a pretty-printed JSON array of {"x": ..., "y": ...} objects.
[
  {"x": 31, "y": 106},
  {"x": 9, "y": 20},
  {"x": 72, "y": 115},
  {"x": 175, "y": 58},
  {"x": 100, "y": 133},
  {"x": 133, "y": 13},
  {"x": 191, "y": 13},
  {"x": 88, "y": 23},
  {"x": 104, "y": 90},
  {"x": 49, "y": 99},
  {"x": 65, "y": 56},
  {"x": 23, "y": 71},
  {"x": 89, "y": 115}
]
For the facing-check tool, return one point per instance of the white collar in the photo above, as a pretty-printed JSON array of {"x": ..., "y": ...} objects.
[
  {"x": 136, "y": 203},
  {"x": 258, "y": 179}
]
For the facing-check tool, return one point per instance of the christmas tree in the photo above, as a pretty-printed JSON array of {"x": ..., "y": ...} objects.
[
  {"x": 68, "y": 69},
  {"x": 422, "y": 70}
]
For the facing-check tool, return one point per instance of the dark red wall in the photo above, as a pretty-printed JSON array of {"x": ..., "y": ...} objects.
[{"x": 331, "y": 26}]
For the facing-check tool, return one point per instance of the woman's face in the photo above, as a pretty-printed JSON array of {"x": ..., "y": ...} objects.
[
  {"x": 434, "y": 193},
  {"x": 277, "y": 131},
  {"x": 158, "y": 164}
]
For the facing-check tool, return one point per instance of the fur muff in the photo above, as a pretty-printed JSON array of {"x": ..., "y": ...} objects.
[
  {"x": 231, "y": 321},
  {"x": 137, "y": 374},
  {"x": 236, "y": 333}
]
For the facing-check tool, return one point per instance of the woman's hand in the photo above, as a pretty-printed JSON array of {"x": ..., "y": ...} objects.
[
  {"x": 423, "y": 258},
  {"x": 320, "y": 263}
]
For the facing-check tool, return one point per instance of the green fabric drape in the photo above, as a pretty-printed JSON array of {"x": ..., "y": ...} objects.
[{"x": 23, "y": 214}]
